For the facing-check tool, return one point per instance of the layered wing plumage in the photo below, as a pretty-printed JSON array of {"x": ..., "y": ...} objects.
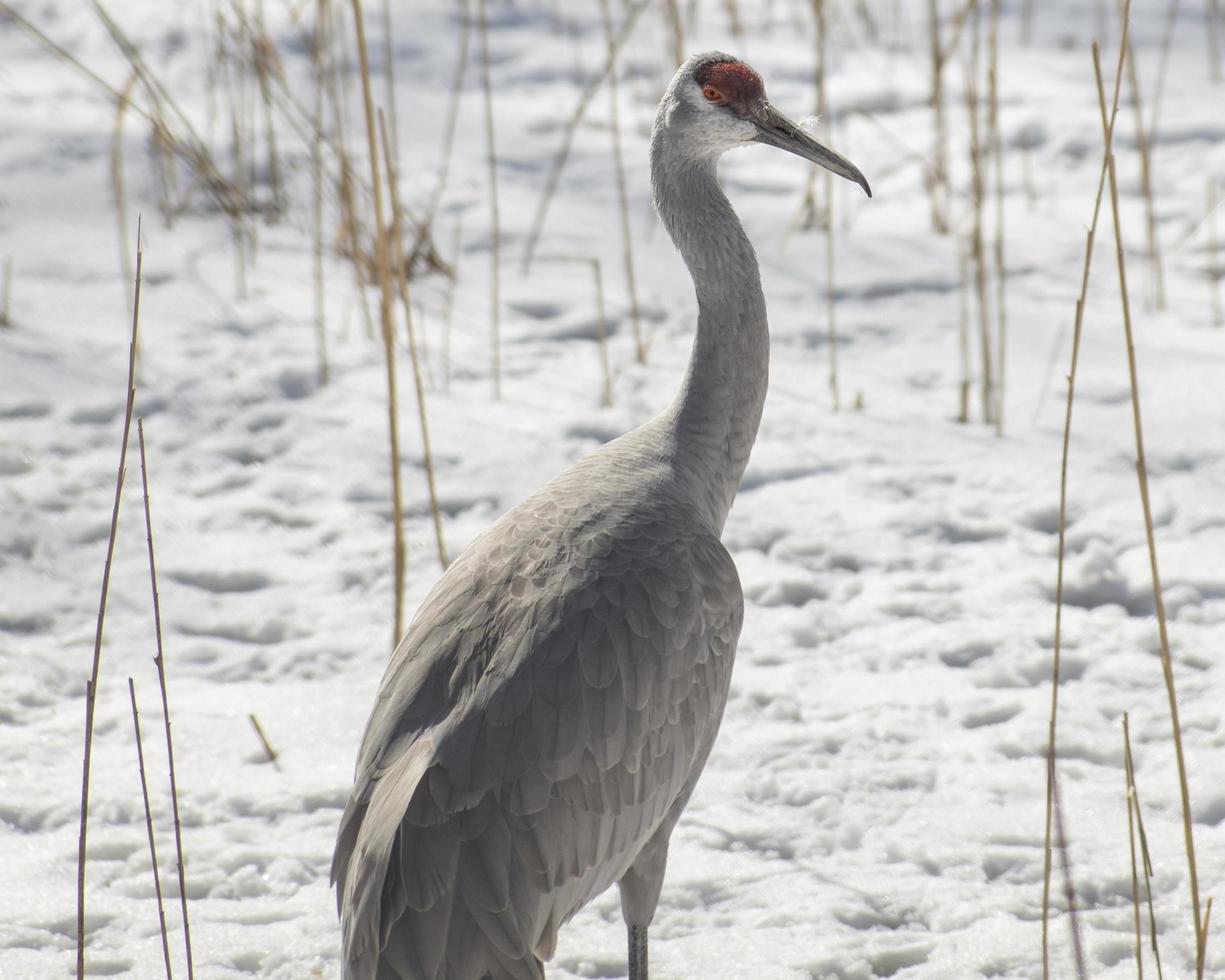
[{"x": 548, "y": 710}]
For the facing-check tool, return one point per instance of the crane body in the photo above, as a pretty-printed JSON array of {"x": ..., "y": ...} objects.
[{"x": 542, "y": 724}]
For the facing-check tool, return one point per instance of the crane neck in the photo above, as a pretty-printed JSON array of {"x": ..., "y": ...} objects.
[{"x": 714, "y": 418}]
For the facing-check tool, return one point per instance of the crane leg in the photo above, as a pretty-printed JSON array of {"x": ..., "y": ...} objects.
[{"x": 638, "y": 952}]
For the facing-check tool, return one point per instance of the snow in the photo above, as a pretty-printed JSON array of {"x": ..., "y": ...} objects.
[{"x": 874, "y": 806}]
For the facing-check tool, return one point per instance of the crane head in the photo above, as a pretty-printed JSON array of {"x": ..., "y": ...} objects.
[{"x": 719, "y": 103}]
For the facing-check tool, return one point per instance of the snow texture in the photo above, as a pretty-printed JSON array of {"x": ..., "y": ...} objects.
[{"x": 874, "y": 804}]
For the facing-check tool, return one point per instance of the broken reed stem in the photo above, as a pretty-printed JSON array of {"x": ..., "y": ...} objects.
[
  {"x": 160, "y": 662},
  {"x": 1069, "y": 889},
  {"x": 385, "y": 316},
  {"x": 491, "y": 157},
  {"x": 977, "y": 246},
  {"x": 402, "y": 284},
  {"x": 641, "y": 343},
  {"x": 559, "y": 160},
  {"x": 937, "y": 175},
  {"x": 1214, "y": 268},
  {"x": 91, "y": 687},
  {"x": 269, "y": 751},
  {"x": 1129, "y": 799},
  {"x": 117, "y": 183},
  {"x": 995, "y": 146},
  {"x": 1134, "y": 799},
  {"x": 317, "y": 68},
  {"x": 1146, "y": 180},
  {"x": 1108, "y": 124},
  {"x": 144, "y": 793},
  {"x": 1166, "y": 660},
  {"x": 1167, "y": 666}
]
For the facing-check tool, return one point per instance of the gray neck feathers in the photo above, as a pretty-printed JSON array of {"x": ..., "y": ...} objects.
[{"x": 714, "y": 418}]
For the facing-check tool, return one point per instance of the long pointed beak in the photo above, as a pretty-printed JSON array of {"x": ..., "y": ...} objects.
[{"x": 776, "y": 129}]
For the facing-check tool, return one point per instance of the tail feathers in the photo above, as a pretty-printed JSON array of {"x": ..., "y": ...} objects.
[{"x": 363, "y": 851}]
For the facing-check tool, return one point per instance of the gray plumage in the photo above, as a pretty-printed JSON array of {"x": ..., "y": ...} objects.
[{"x": 543, "y": 722}]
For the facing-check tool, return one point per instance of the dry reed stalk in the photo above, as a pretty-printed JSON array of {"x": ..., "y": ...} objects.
[
  {"x": 995, "y": 146},
  {"x": 1167, "y": 665},
  {"x": 1146, "y": 180},
  {"x": 316, "y": 146},
  {"x": 144, "y": 794},
  {"x": 448, "y": 132},
  {"x": 448, "y": 319},
  {"x": 937, "y": 175},
  {"x": 1069, "y": 889},
  {"x": 734, "y": 24},
  {"x": 1130, "y": 799},
  {"x": 389, "y": 76},
  {"x": 559, "y": 160},
  {"x": 385, "y": 317},
  {"x": 6, "y": 295},
  {"x": 117, "y": 183},
  {"x": 672, "y": 11},
  {"x": 160, "y": 662},
  {"x": 606, "y": 398},
  {"x": 495, "y": 245},
  {"x": 267, "y": 66},
  {"x": 272, "y": 754},
  {"x": 1163, "y": 65},
  {"x": 641, "y": 343},
  {"x": 977, "y": 235},
  {"x": 1133, "y": 794},
  {"x": 963, "y": 333},
  {"x": 402, "y": 288},
  {"x": 1108, "y": 123},
  {"x": 1212, "y": 15},
  {"x": 1214, "y": 267},
  {"x": 91, "y": 686}
]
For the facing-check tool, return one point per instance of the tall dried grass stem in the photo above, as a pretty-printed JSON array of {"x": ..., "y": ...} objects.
[{"x": 144, "y": 795}]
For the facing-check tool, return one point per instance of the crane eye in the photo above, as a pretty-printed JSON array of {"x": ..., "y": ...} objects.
[{"x": 712, "y": 94}]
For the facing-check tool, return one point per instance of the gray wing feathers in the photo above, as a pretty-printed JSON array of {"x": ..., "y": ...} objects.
[{"x": 538, "y": 723}]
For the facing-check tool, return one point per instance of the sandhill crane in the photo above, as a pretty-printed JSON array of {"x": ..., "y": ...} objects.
[{"x": 543, "y": 722}]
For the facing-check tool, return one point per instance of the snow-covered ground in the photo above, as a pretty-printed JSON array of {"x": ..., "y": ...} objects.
[{"x": 874, "y": 806}]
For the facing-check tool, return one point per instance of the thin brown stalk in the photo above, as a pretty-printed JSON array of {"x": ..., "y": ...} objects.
[
  {"x": 383, "y": 265},
  {"x": 267, "y": 65},
  {"x": 389, "y": 76},
  {"x": 1214, "y": 266},
  {"x": 576, "y": 117},
  {"x": 272, "y": 754},
  {"x": 1130, "y": 800},
  {"x": 1146, "y": 180},
  {"x": 448, "y": 131},
  {"x": 963, "y": 332},
  {"x": 606, "y": 398},
  {"x": 1069, "y": 889},
  {"x": 672, "y": 12},
  {"x": 937, "y": 176},
  {"x": 317, "y": 69},
  {"x": 91, "y": 687},
  {"x": 495, "y": 230},
  {"x": 144, "y": 793},
  {"x": 734, "y": 23},
  {"x": 1134, "y": 794},
  {"x": 641, "y": 343},
  {"x": 1167, "y": 665},
  {"x": 1108, "y": 123},
  {"x": 977, "y": 236},
  {"x": 1163, "y": 65},
  {"x": 1213, "y": 17},
  {"x": 995, "y": 146},
  {"x": 117, "y": 183},
  {"x": 402, "y": 284},
  {"x": 160, "y": 662}
]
